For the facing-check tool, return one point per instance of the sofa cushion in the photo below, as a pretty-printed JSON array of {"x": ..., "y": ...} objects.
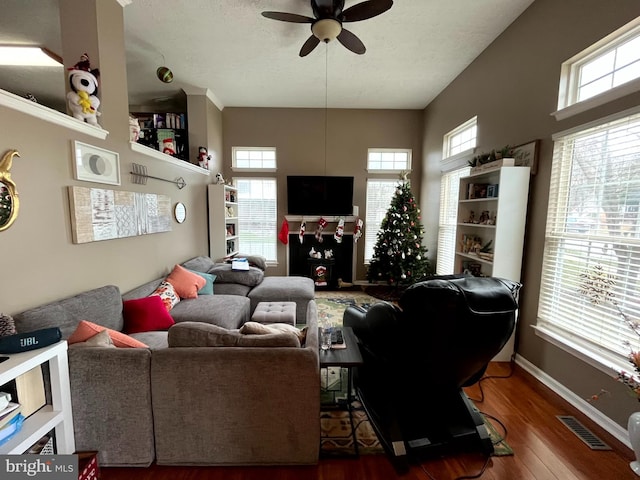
[
  {"x": 100, "y": 339},
  {"x": 102, "y": 305},
  {"x": 255, "y": 328},
  {"x": 224, "y": 274},
  {"x": 257, "y": 261},
  {"x": 86, "y": 330},
  {"x": 199, "y": 264},
  {"x": 209, "y": 278},
  {"x": 229, "y": 311},
  {"x": 167, "y": 294},
  {"x": 186, "y": 283},
  {"x": 196, "y": 334},
  {"x": 146, "y": 314}
]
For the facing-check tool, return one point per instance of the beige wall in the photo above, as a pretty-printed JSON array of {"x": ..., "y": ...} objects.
[
  {"x": 39, "y": 261},
  {"x": 513, "y": 88},
  {"x": 299, "y": 137}
]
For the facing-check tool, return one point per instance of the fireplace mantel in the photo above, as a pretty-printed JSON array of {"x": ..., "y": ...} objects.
[{"x": 316, "y": 218}]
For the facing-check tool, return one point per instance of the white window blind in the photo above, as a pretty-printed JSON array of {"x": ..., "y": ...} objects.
[
  {"x": 257, "y": 216},
  {"x": 593, "y": 226},
  {"x": 379, "y": 196},
  {"x": 449, "y": 188}
]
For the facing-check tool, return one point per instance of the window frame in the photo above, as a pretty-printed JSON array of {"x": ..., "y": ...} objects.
[
  {"x": 406, "y": 151},
  {"x": 274, "y": 235},
  {"x": 234, "y": 160},
  {"x": 449, "y": 137},
  {"x": 601, "y": 357},
  {"x": 568, "y": 106},
  {"x": 370, "y": 226}
]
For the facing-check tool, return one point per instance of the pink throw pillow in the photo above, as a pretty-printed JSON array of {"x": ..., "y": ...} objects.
[
  {"x": 146, "y": 314},
  {"x": 185, "y": 283},
  {"x": 85, "y": 330}
]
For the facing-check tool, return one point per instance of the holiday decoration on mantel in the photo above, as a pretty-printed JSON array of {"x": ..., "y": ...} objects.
[
  {"x": 303, "y": 227},
  {"x": 322, "y": 223},
  {"x": 339, "y": 231},
  {"x": 357, "y": 230},
  {"x": 283, "y": 236},
  {"x": 398, "y": 255}
]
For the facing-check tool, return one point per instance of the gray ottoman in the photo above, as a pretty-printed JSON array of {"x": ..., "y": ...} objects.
[
  {"x": 284, "y": 289},
  {"x": 275, "y": 312}
]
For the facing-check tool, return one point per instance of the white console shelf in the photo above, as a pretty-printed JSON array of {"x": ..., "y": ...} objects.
[{"x": 58, "y": 414}]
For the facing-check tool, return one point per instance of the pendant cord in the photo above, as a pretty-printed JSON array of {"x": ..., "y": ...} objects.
[{"x": 326, "y": 103}]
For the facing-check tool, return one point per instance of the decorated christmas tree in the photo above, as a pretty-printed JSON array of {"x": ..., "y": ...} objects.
[{"x": 398, "y": 255}]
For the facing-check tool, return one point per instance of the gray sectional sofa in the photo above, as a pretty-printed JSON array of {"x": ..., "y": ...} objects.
[{"x": 199, "y": 403}]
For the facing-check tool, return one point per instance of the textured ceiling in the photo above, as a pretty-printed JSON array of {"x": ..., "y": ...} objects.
[{"x": 414, "y": 50}]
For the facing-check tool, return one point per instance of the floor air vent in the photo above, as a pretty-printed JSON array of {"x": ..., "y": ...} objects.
[{"x": 583, "y": 433}]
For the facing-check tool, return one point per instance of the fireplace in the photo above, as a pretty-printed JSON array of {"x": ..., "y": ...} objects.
[{"x": 340, "y": 266}]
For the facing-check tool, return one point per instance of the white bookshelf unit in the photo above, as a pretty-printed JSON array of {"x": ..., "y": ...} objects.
[
  {"x": 492, "y": 210},
  {"x": 223, "y": 220},
  {"x": 56, "y": 415}
]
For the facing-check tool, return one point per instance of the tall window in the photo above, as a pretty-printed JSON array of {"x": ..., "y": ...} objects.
[
  {"x": 379, "y": 196},
  {"x": 447, "y": 225},
  {"x": 607, "y": 69},
  {"x": 457, "y": 148},
  {"x": 593, "y": 237},
  {"x": 257, "y": 216}
]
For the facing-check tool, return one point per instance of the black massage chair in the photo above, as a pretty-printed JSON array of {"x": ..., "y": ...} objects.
[{"x": 418, "y": 357}]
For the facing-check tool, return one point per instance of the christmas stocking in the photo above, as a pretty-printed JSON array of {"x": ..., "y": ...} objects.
[
  {"x": 357, "y": 230},
  {"x": 284, "y": 232},
  {"x": 339, "y": 231},
  {"x": 303, "y": 227},
  {"x": 321, "y": 224}
]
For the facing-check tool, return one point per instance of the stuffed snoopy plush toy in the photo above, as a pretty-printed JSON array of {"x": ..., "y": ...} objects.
[{"x": 82, "y": 100}]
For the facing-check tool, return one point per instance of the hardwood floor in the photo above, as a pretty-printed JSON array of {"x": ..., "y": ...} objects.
[{"x": 543, "y": 447}]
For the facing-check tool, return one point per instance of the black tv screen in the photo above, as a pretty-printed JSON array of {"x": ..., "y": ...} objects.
[{"x": 319, "y": 195}]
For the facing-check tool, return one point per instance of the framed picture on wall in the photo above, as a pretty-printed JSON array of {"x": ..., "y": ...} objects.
[
  {"x": 526, "y": 155},
  {"x": 95, "y": 164}
]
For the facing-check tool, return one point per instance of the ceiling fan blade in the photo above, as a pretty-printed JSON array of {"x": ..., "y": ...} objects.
[
  {"x": 364, "y": 10},
  {"x": 311, "y": 43},
  {"x": 288, "y": 17},
  {"x": 350, "y": 41},
  {"x": 327, "y": 8}
]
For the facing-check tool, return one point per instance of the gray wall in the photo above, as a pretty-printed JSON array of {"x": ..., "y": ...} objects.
[{"x": 513, "y": 88}]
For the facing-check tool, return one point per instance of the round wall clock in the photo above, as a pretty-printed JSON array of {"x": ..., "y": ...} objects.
[{"x": 180, "y": 212}]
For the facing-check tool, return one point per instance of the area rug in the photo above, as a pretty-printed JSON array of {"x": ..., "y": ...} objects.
[{"x": 332, "y": 304}]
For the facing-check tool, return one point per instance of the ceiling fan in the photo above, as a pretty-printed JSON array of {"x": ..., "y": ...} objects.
[{"x": 329, "y": 15}]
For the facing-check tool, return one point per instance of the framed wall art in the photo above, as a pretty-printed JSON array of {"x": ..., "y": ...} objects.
[
  {"x": 526, "y": 155},
  {"x": 95, "y": 164}
]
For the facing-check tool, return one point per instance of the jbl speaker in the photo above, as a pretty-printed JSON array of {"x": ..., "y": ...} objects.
[{"x": 23, "y": 342}]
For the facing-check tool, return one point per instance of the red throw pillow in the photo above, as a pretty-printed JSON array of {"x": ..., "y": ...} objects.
[
  {"x": 185, "y": 283},
  {"x": 146, "y": 314},
  {"x": 86, "y": 330}
]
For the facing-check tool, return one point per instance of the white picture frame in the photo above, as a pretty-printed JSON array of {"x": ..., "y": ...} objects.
[{"x": 95, "y": 164}]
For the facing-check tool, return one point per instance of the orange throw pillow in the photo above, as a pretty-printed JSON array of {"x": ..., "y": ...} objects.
[
  {"x": 185, "y": 283},
  {"x": 85, "y": 330}
]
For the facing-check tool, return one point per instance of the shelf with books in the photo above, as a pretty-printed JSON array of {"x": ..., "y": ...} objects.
[
  {"x": 165, "y": 132},
  {"x": 55, "y": 415}
]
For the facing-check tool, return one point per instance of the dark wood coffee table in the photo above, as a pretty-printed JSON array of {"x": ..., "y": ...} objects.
[{"x": 347, "y": 357}]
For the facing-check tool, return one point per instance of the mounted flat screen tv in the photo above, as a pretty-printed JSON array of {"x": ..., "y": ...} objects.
[{"x": 319, "y": 195}]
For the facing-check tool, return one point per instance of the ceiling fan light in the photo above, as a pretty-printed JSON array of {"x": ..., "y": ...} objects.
[{"x": 326, "y": 29}]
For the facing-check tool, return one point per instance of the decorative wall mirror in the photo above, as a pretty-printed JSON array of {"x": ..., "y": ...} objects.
[
  {"x": 9, "y": 202},
  {"x": 180, "y": 212}
]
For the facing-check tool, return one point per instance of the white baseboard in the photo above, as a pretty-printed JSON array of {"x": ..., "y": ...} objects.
[{"x": 585, "y": 407}]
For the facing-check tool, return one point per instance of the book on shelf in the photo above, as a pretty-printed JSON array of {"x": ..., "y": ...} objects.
[
  {"x": 9, "y": 412},
  {"x": 11, "y": 428}
]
